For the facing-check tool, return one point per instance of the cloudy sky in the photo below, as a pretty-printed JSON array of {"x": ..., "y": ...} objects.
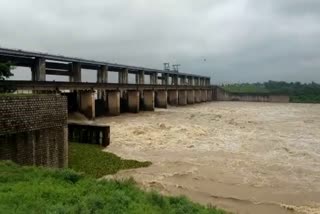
[{"x": 229, "y": 40}]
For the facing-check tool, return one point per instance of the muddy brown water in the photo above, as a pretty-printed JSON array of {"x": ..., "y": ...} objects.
[{"x": 242, "y": 157}]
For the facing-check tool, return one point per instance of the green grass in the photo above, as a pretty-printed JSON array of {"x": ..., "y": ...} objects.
[
  {"x": 42, "y": 190},
  {"x": 92, "y": 161}
]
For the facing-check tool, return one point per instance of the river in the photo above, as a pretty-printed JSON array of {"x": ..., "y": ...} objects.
[{"x": 242, "y": 157}]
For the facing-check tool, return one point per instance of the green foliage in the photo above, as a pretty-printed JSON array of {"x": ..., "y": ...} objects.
[
  {"x": 246, "y": 88},
  {"x": 42, "y": 190},
  {"x": 298, "y": 92},
  {"x": 92, "y": 161},
  {"x": 5, "y": 70}
]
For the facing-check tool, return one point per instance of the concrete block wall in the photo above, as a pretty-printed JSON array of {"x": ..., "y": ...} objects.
[{"x": 33, "y": 129}]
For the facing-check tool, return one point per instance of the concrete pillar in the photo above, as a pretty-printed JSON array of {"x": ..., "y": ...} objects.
[
  {"x": 204, "y": 95},
  {"x": 215, "y": 94},
  {"x": 190, "y": 99},
  {"x": 133, "y": 101},
  {"x": 102, "y": 74},
  {"x": 196, "y": 81},
  {"x": 175, "y": 80},
  {"x": 153, "y": 78},
  {"x": 39, "y": 70},
  {"x": 210, "y": 95},
  {"x": 162, "y": 99},
  {"x": 165, "y": 79},
  {"x": 173, "y": 97},
  {"x": 148, "y": 100},
  {"x": 87, "y": 104},
  {"x": 190, "y": 80},
  {"x": 183, "y": 97},
  {"x": 123, "y": 76},
  {"x": 208, "y": 81},
  {"x": 197, "y": 96},
  {"x": 183, "y": 80},
  {"x": 75, "y": 72},
  {"x": 140, "y": 78},
  {"x": 102, "y": 77},
  {"x": 114, "y": 103}
]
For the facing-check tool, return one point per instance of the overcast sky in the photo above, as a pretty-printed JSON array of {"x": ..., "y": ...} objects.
[{"x": 229, "y": 40}]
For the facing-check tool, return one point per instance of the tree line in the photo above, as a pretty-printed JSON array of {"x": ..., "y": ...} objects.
[
  {"x": 298, "y": 92},
  {"x": 5, "y": 70}
]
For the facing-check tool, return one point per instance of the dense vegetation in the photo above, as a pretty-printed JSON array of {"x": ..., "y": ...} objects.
[
  {"x": 5, "y": 70},
  {"x": 96, "y": 163},
  {"x": 298, "y": 92},
  {"x": 41, "y": 190}
]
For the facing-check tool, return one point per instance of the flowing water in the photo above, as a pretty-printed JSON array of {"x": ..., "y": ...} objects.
[{"x": 242, "y": 157}]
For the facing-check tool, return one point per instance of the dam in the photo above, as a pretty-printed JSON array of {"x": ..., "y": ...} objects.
[{"x": 164, "y": 88}]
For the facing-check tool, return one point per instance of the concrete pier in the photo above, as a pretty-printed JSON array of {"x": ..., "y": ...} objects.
[
  {"x": 210, "y": 95},
  {"x": 165, "y": 79},
  {"x": 153, "y": 79},
  {"x": 140, "y": 78},
  {"x": 113, "y": 103},
  {"x": 174, "y": 79},
  {"x": 102, "y": 77},
  {"x": 204, "y": 95},
  {"x": 197, "y": 96},
  {"x": 190, "y": 80},
  {"x": 173, "y": 97},
  {"x": 190, "y": 99},
  {"x": 39, "y": 70},
  {"x": 148, "y": 100},
  {"x": 134, "y": 101},
  {"x": 87, "y": 104},
  {"x": 75, "y": 72},
  {"x": 123, "y": 76},
  {"x": 183, "y": 80},
  {"x": 196, "y": 81},
  {"x": 161, "y": 99},
  {"x": 183, "y": 97}
]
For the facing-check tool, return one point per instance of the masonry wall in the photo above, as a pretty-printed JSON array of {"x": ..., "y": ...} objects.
[
  {"x": 222, "y": 95},
  {"x": 33, "y": 129}
]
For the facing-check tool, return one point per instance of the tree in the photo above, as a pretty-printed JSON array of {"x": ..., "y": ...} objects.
[{"x": 5, "y": 70}]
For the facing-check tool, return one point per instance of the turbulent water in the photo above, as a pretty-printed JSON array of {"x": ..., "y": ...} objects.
[{"x": 242, "y": 157}]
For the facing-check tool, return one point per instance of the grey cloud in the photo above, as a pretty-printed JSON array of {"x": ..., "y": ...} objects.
[
  {"x": 241, "y": 40},
  {"x": 292, "y": 7}
]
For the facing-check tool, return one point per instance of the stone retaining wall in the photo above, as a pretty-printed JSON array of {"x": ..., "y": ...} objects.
[{"x": 33, "y": 129}]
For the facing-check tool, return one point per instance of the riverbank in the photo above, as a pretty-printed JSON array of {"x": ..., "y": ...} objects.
[{"x": 43, "y": 190}]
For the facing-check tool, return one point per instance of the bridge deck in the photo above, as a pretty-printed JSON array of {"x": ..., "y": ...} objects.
[
  {"x": 59, "y": 62},
  {"x": 46, "y": 85}
]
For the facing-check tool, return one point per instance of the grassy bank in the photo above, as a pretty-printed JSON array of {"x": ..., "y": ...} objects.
[
  {"x": 41, "y": 190},
  {"x": 94, "y": 162}
]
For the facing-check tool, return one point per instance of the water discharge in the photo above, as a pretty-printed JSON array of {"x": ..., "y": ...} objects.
[{"x": 243, "y": 157}]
